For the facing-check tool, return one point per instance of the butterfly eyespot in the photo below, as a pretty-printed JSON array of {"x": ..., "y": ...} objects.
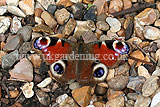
[
  {"x": 42, "y": 42},
  {"x": 100, "y": 72},
  {"x": 121, "y": 47},
  {"x": 58, "y": 68}
]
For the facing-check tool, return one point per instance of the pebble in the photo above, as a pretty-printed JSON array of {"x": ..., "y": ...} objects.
[
  {"x": 111, "y": 94},
  {"x": 39, "y": 21},
  {"x": 111, "y": 35},
  {"x": 157, "y": 23},
  {"x": 114, "y": 24},
  {"x": 28, "y": 20},
  {"x": 155, "y": 100},
  {"x": 137, "y": 54},
  {"x": 116, "y": 102},
  {"x": 62, "y": 16},
  {"x": 36, "y": 60},
  {"x": 43, "y": 97},
  {"x": 45, "y": 82},
  {"x": 142, "y": 101},
  {"x": 78, "y": 11},
  {"x": 60, "y": 99},
  {"x": 12, "y": 2},
  {"x": 115, "y": 6},
  {"x": 102, "y": 25},
  {"x": 136, "y": 83},
  {"x": 132, "y": 96},
  {"x": 99, "y": 104},
  {"x": 74, "y": 85},
  {"x": 151, "y": 33},
  {"x": 19, "y": 70},
  {"x": 52, "y": 9},
  {"x": 158, "y": 6},
  {"x": 27, "y": 89},
  {"x": 127, "y": 4},
  {"x": 69, "y": 27},
  {"x": 4, "y": 24},
  {"x": 136, "y": 39},
  {"x": 27, "y": 6},
  {"x": 101, "y": 17},
  {"x": 14, "y": 43},
  {"x": 25, "y": 48},
  {"x": 43, "y": 28},
  {"x": 118, "y": 82},
  {"x": 25, "y": 32},
  {"x": 65, "y": 3},
  {"x": 38, "y": 12},
  {"x": 15, "y": 25},
  {"x": 102, "y": 6},
  {"x": 99, "y": 90},
  {"x": 16, "y": 11},
  {"x": 146, "y": 17},
  {"x": 142, "y": 71},
  {"x": 122, "y": 69},
  {"x": 150, "y": 86},
  {"x": 89, "y": 37},
  {"x": 68, "y": 102},
  {"x": 82, "y": 99},
  {"x": 49, "y": 19},
  {"x": 110, "y": 74},
  {"x": 3, "y": 9},
  {"x": 46, "y": 3},
  {"x": 2, "y": 53},
  {"x": 14, "y": 93},
  {"x": 156, "y": 72},
  {"x": 91, "y": 14},
  {"x": 9, "y": 59},
  {"x": 2, "y": 2}
]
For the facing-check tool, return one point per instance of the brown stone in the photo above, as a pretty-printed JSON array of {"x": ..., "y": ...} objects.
[
  {"x": 38, "y": 12},
  {"x": 158, "y": 6},
  {"x": 17, "y": 104},
  {"x": 116, "y": 102},
  {"x": 82, "y": 99},
  {"x": 99, "y": 104},
  {"x": 14, "y": 93},
  {"x": 127, "y": 4},
  {"x": 149, "y": 1},
  {"x": 102, "y": 6},
  {"x": 65, "y": 3},
  {"x": 115, "y": 6},
  {"x": 43, "y": 28},
  {"x": 36, "y": 60},
  {"x": 111, "y": 94},
  {"x": 87, "y": 1},
  {"x": 49, "y": 19},
  {"x": 2, "y": 2}
]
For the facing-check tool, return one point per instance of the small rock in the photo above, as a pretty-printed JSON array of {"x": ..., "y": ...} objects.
[
  {"x": 43, "y": 97},
  {"x": 150, "y": 86},
  {"x": 27, "y": 6},
  {"x": 25, "y": 32},
  {"x": 2, "y": 53},
  {"x": 157, "y": 23},
  {"x": 39, "y": 21},
  {"x": 136, "y": 54},
  {"x": 60, "y": 99},
  {"x": 5, "y": 100},
  {"x": 3, "y": 9},
  {"x": 111, "y": 35},
  {"x": 14, "y": 93},
  {"x": 114, "y": 24},
  {"x": 155, "y": 100},
  {"x": 142, "y": 71},
  {"x": 38, "y": 12},
  {"x": 16, "y": 11},
  {"x": 122, "y": 70},
  {"x": 10, "y": 59},
  {"x": 99, "y": 104},
  {"x": 101, "y": 17},
  {"x": 2, "y": 2},
  {"x": 4, "y": 24},
  {"x": 136, "y": 83},
  {"x": 46, "y": 3},
  {"x": 13, "y": 44},
  {"x": 116, "y": 102},
  {"x": 69, "y": 27},
  {"x": 115, "y": 6},
  {"x": 102, "y": 6},
  {"x": 36, "y": 60},
  {"x": 19, "y": 70},
  {"x": 15, "y": 25},
  {"x": 25, "y": 48},
  {"x": 111, "y": 94},
  {"x": 99, "y": 90},
  {"x": 158, "y": 6},
  {"x": 45, "y": 82},
  {"x": 151, "y": 33},
  {"x": 132, "y": 96},
  {"x": 156, "y": 72},
  {"x": 149, "y": 1},
  {"x": 65, "y": 3},
  {"x": 27, "y": 89},
  {"x": 43, "y": 28},
  {"x": 28, "y": 20},
  {"x": 52, "y": 9},
  {"x": 102, "y": 25},
  {"x": 110, "y": 74},
  {"x": 62, "y": 16},
  {"x": 12, "y": 2},
  {"x": 78, "y": 11},
  {"x": 82, "y": 99},
  {"x": 142, "y": 101},
  {"x": 136, "y": 39},
  {"x": 127, "y": 4},
  {"x": 91, "y": 14},
  {"x": 146, "y": 17},
  {"x": 89, "y": 37},
  {"x": 118, "y": 82},
  {"x": 17, "y": 104},
  {"x": 74, "y": 85},
  {"x": 49, "y": 19}
]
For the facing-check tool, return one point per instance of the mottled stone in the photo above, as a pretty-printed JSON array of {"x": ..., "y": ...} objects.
[
  {"x": 52, "y": 9},
  {"x": 102, "y": 25},
  {"x": 65, "y": 3},
  {"x": 114, "y": 24},
  {"x": 127, "y": 4},
  {"x": 111, "y": 94},
  {"x": 19, "y": 70},
  {"x": 74, "y": 85},
  {"x": 116, "y": 102},
  {"x": 27, "y": 89},
  {"x": 15, "y": 25},
  {"x": 102, "y": 6},
  {"x": 115, "y": 6},
  {"x": 25, "y": 48},
  {"x": 9, "y": 59},
  {"x": 89, "y": 37},
  {"x": 157, "y": 23},
  {"x": 142, "y": 101},
  {"x": 43, "y": 28},
  {"x": 2, "y": 53},
  {"x": 91, "y": 14},
  {"x": 62, "y": 16},
  {"x": 46, "y": 3},
  {"x": 36, "y": 60},
  {"x": 16, "y": 11},
  {"x": 132, "y": 96},
  {"x": 142, "y": 71},
  {"x": 3, "y": 9},
  {"x": 4, "y": 24}
]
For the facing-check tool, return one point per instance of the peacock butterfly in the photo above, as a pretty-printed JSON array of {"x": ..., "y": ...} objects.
[{"x": 86, "y": 63}]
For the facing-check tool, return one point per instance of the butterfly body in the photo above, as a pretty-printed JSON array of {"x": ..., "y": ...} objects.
[{"x": 86, "y": 63}]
